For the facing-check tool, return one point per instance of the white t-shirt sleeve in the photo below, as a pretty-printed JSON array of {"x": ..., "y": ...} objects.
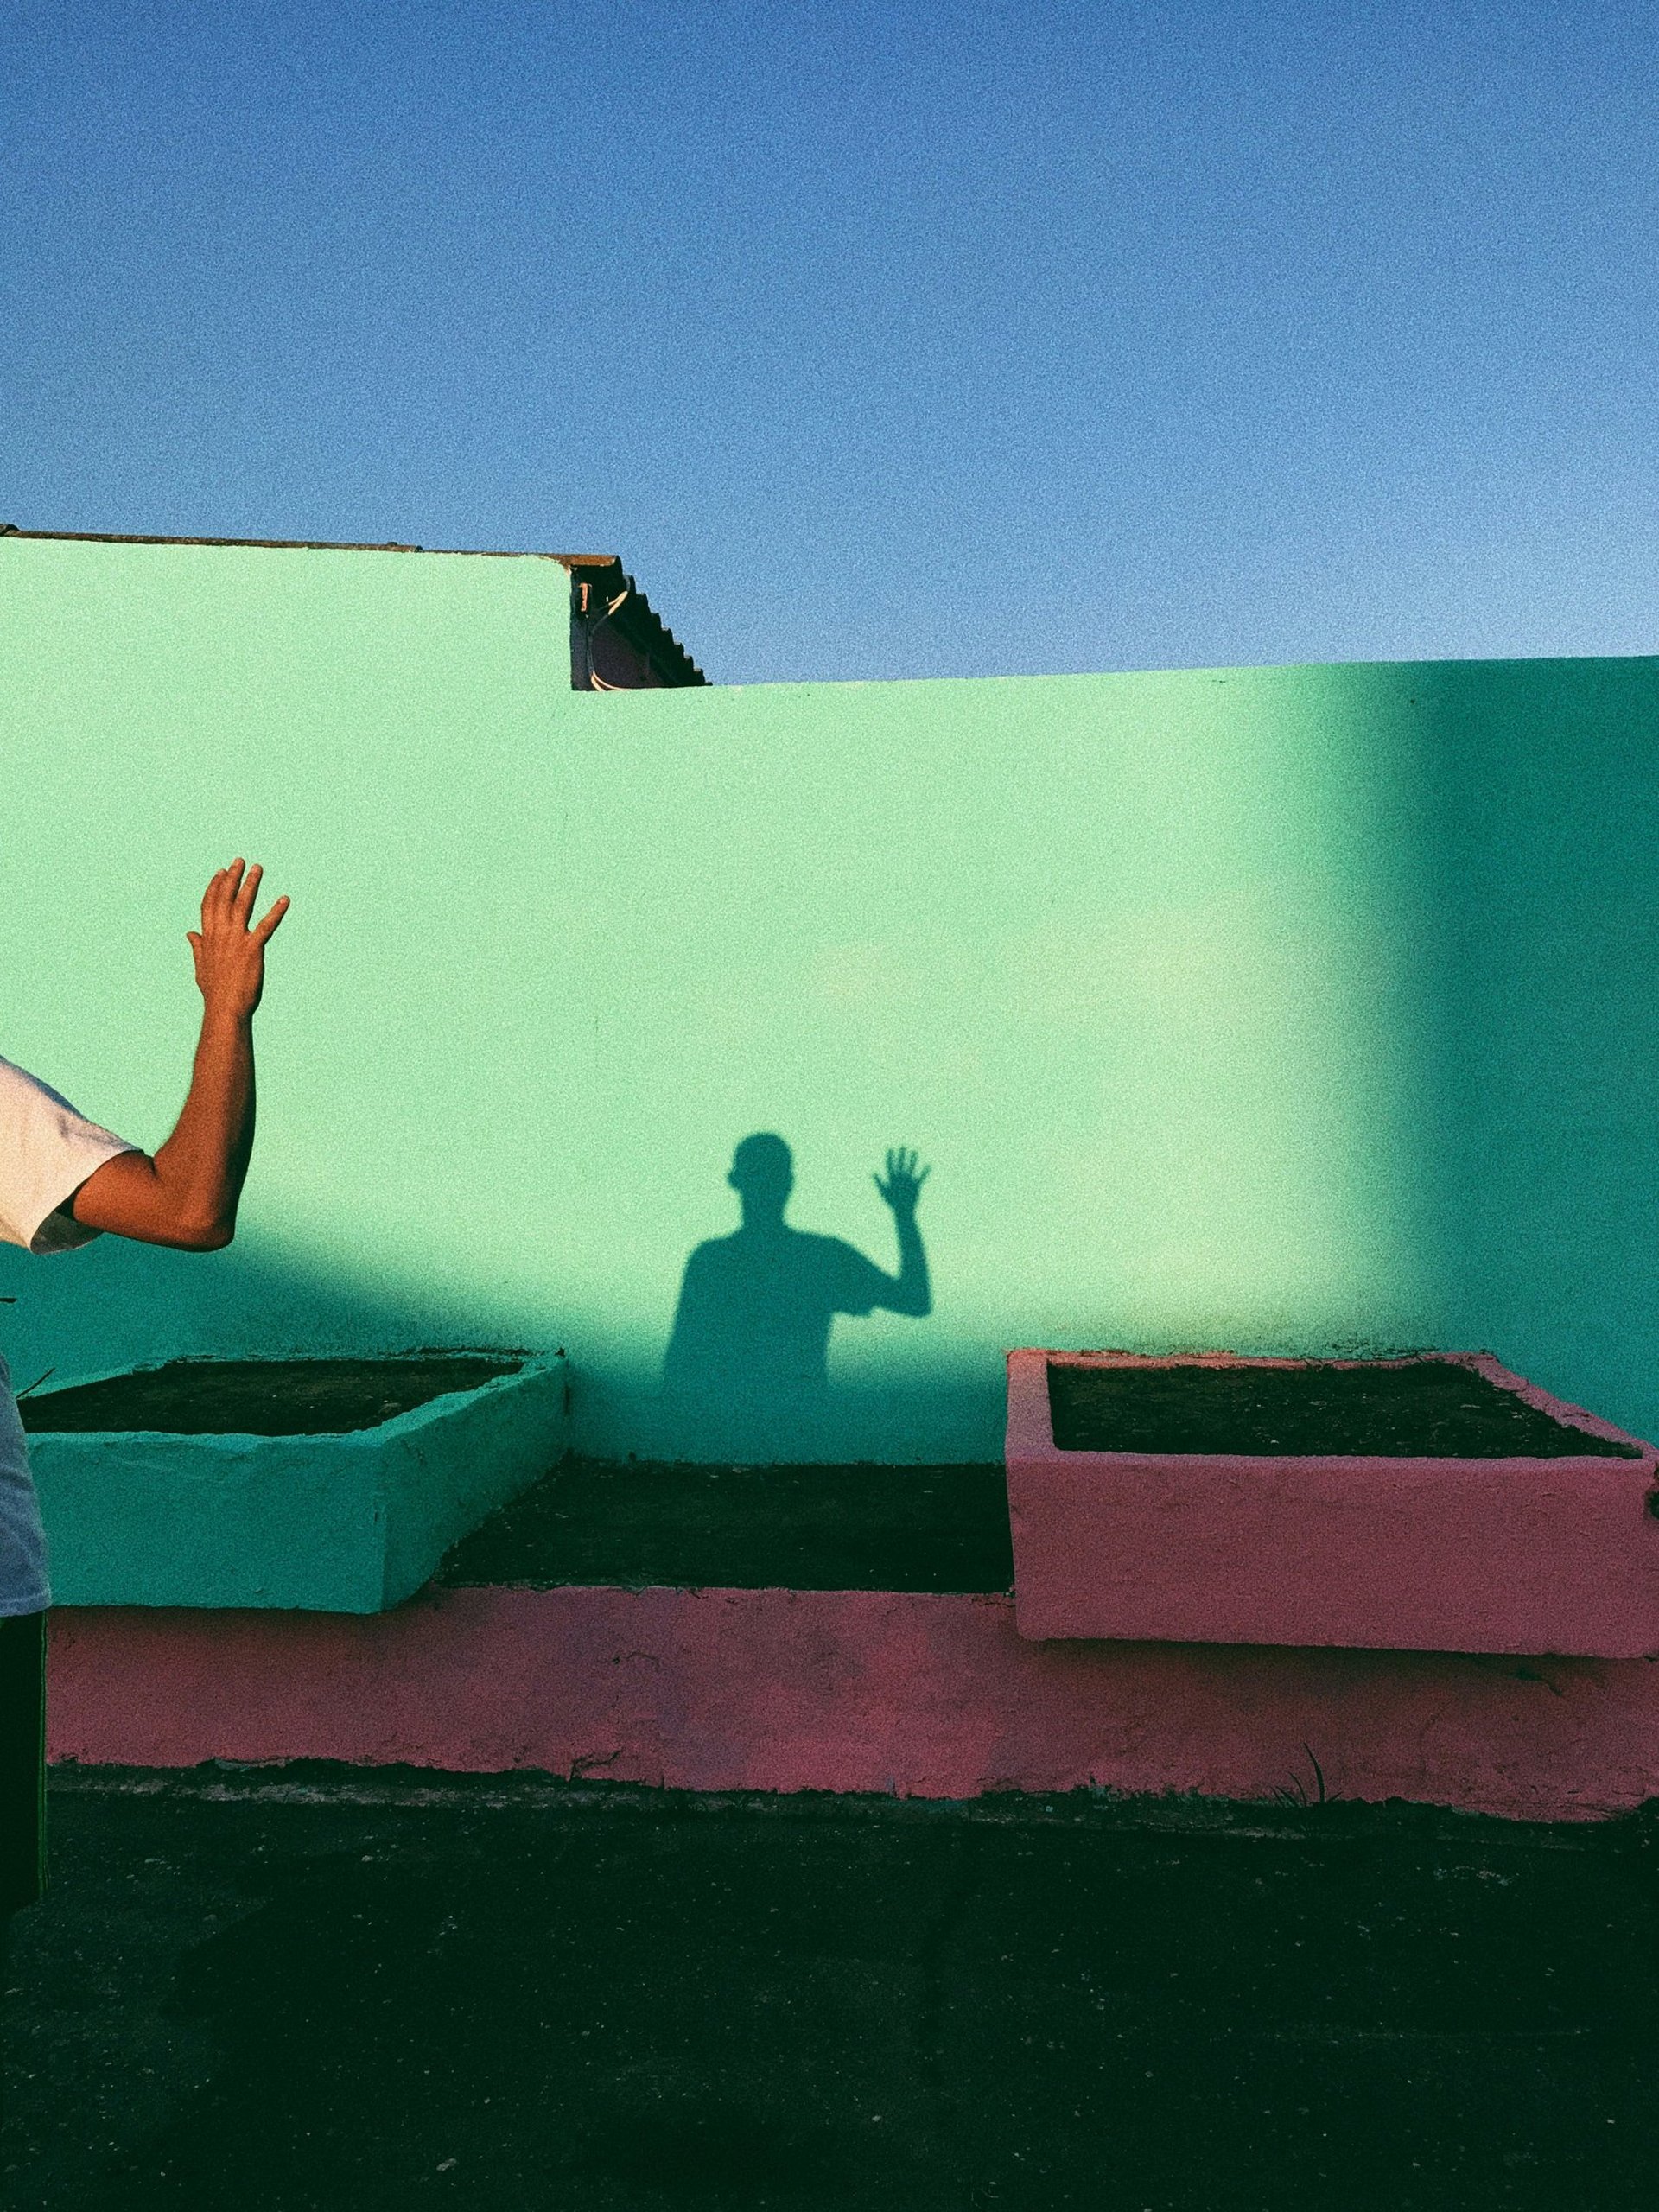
[{"x": 47, "y": 1152}]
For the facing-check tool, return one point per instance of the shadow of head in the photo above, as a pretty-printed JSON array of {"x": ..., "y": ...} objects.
[{"x": 763, "y": 1175}]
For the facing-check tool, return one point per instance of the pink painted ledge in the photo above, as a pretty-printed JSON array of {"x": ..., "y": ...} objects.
[
  {"x": 930, "y": 1696},
  {"x": 1521, "y": 1555}
]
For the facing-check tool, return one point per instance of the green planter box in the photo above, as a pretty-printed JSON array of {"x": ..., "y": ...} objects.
[{"x": 319, "y": 1498}]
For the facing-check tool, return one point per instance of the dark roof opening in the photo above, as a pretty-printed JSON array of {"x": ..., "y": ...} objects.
[{"x": 618, "y": 640}]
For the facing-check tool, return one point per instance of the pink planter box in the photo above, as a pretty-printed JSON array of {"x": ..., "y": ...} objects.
[{"x": 1547, "y": 1548}]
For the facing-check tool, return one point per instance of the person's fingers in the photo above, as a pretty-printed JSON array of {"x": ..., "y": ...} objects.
[
  {"x": 242, "y": 904},
  {"x": 216, "y": 905},
  {"x": 265, "y": 930}
]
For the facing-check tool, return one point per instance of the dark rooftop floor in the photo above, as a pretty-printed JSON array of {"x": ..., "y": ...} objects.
[{"x": 335, "y": 1988}]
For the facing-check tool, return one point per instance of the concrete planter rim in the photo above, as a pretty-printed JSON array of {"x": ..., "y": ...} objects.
[
  {"x": 395, "y": 1424},
  {"x": 1028, "y": 1368},
  {"x": 1516, "y": 1552}
]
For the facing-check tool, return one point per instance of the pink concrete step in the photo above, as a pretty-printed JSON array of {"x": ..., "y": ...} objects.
[{"x": 921, "y": 1694}]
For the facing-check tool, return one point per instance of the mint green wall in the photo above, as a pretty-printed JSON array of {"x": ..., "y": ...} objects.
[{"x": 1299, "y": 1008}]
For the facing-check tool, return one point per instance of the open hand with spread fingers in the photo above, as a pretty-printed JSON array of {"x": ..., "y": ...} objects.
[
  {"x": 187, "y": 1195},
  {"x": 229, "y": 949},
  {"x": 905, "y": 1179}
]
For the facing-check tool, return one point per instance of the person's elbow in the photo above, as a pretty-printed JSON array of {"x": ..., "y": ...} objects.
[
  {"x": 127, "y": 1197},
  {"x": 204, "y": 1235},
  {"x": 179, "y": 1232}
]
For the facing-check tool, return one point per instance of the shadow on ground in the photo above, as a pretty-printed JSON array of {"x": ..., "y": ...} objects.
[{"x": 334, "y": 1989}]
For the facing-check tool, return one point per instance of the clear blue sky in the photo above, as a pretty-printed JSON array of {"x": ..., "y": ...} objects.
[{"x": 894, "y": 341}]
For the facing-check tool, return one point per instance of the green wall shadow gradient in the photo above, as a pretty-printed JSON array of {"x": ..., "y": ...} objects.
[{"x": 1168, "y": 976}]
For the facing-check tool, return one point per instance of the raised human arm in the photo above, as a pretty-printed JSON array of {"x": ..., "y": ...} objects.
[
  {"x": 187, "y": 1195},
  {"x": 912, "y": 1293}
]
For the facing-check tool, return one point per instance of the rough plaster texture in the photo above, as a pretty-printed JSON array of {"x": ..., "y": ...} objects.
[
  {"x": 346, "y": 1524},
  {"x": 1414, "y": 1554},
  {"x": 1289, "y": 1009},
  {"x": 932, "y": 1696}
]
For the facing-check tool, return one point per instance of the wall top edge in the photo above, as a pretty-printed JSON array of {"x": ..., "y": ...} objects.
[{"x": 310, "y": 545}]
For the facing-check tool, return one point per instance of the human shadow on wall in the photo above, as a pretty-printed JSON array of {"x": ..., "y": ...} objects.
[{"x": 746, "y": 1373}]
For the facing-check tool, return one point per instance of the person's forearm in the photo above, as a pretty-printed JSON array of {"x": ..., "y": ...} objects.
[
  {"x": 187, "y": 1195},
  {"x": 915, "y": 1293},
  {"x": 203, "y": 1165}
]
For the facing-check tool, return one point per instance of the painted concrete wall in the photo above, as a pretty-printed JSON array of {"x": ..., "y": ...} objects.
[
  {"x": 923, "y": 1695},
  {"x": 1299, "y": 1009}
]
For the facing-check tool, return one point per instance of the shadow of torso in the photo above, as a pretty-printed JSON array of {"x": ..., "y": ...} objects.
[{"x": 747, "y": 1370}]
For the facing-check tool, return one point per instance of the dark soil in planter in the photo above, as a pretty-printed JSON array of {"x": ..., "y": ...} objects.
[
  {"x": 262, "y": 1397},
  {"x": 1411, "y": 1409},
  {"x": 635, "y": 1523}
]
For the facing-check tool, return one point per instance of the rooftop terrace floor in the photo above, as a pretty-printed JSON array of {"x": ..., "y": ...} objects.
[{"x": 334, "y": 1988}]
